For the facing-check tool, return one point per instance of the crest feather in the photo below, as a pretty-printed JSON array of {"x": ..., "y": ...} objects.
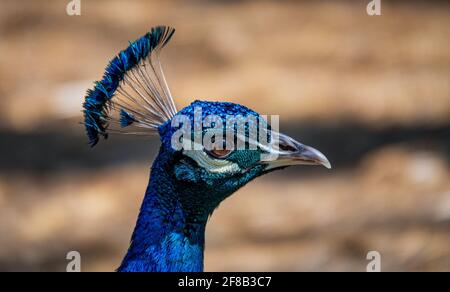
[{"x": 133, "y": 96}]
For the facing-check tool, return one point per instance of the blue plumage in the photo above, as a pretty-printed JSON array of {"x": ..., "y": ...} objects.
[
  {"x": 207, "y": 108},
  {"x": 165, "y": 238},
  {"x": 96, "y": 101},
  {"x": 186, "y": 184},
  {"x": 126, "y": 118}
]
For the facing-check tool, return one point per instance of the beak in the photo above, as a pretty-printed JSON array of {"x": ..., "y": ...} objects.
[{"x": 285, "y": 151}]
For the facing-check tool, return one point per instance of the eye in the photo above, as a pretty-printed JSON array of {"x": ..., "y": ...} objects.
[{"x": 219, "y": 153}]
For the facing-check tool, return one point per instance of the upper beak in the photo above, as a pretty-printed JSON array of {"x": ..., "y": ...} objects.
[{"x": 285, "y": 151}]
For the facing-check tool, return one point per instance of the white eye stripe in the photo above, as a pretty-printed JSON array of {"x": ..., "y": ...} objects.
[{"x": 211, "y": 164}]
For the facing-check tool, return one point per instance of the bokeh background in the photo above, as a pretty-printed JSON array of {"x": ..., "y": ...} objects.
[{"x": 371, "y": 92}]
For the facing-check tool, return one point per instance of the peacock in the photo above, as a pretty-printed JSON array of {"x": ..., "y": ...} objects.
[{"x": 201, "y": 161}]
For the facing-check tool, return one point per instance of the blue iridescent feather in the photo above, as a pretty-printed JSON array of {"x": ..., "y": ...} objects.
[
  {"x": 126, "y": 118},
  {"x": 170, "y": 230},
  {"x": 98, "y": 100}
]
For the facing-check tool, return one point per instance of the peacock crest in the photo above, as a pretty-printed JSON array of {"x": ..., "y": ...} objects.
[{"x": 133, "y": 96}]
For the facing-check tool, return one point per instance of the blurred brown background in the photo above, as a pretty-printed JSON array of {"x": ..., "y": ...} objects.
[{"x": 371, "y": 92}]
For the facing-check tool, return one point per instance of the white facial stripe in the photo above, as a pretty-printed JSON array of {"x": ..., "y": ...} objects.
[{"x": 210, "y": 164}]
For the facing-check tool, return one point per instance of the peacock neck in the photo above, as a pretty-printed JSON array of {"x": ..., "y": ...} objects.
[{"x": 168, "y": 235}]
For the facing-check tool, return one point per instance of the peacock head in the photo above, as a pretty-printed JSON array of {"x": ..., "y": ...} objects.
[
  {"x": 217, "y": 147},
  {"x": 209, "y": 149}
]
